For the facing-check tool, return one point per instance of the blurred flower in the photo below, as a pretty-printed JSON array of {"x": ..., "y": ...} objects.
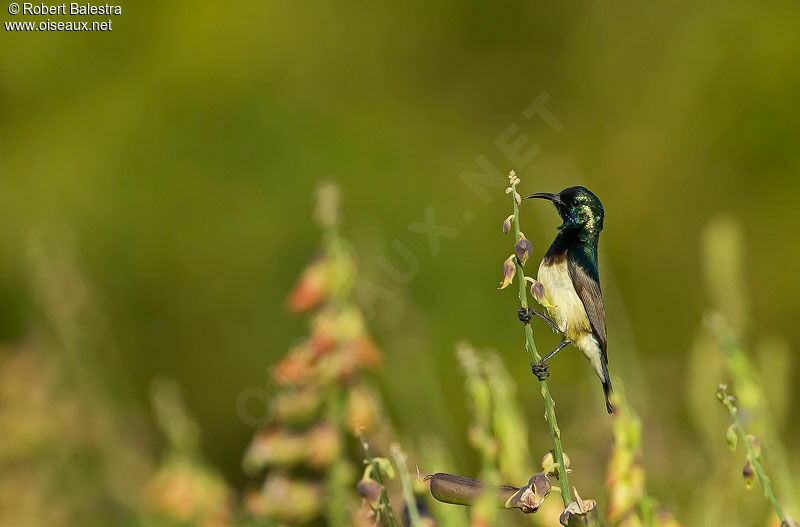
[
  {"x": 362, "y": 409},
  {"x": 186, "y": 492},
  {"x": 756, "y": 444},
  {"x": 279, "y": 447},
  {"x": 324, "y": 445},
  {"x": 370, "y": 490},
  {"x": 328, "y": 203},
  {"x": 749, "y": 474},
  {"x": 311, "y": 289},
  {"x": 731, "y": 438},
  {"x": 296, "y": 367},
  {"x": 286, "y": 500},
  {"x": 297, "y": 406}
]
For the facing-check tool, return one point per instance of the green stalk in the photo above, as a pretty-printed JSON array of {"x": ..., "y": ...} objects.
[
  {"x": 762, "y": 477},
  {"x": 549, "y": 404},
  {"x": 408, "y": 489},
  {"x": 387, "y": 512}
]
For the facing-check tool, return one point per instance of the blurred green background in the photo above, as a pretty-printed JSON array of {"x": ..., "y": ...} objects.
[{"x": 179, "y": 154}]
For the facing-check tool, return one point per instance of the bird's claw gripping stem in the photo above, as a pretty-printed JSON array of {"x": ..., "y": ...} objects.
[
  {"x": 524, "y": 314},
  {"x": 540, "y": 369}
]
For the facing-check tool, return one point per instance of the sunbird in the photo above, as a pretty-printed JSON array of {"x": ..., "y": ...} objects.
[{"x": 571, "y": 282}]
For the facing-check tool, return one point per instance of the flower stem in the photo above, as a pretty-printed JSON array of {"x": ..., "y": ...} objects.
[
  {"x": 549, "y": 404},
  {"x": 386, "y": 512},
  {"x": 754, "y": 459},
  {"x": 408, "y": 489}
]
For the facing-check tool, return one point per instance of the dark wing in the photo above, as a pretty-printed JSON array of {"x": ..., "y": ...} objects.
[{"x": 588, "y": 289}]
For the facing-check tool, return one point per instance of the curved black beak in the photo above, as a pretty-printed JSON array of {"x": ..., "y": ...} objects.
[{"x": 555, "y": 198}]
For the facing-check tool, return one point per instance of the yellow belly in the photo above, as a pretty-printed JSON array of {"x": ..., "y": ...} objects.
[
  {"x": 567, "y": 308},
  {"x": 568, "y": 313}
]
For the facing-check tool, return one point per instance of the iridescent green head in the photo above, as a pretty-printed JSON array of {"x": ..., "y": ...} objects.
[{"x": 580, "y": 209}]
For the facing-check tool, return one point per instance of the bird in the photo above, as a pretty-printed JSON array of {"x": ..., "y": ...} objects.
[{"x": 571, "y": 282}]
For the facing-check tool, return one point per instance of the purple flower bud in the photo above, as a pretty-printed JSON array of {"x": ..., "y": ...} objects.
[
  {"x": 509, "y": 270},
  {"x": 523, "y": 249},
  {"x": 507, "y": 224},
  {"x": 749, "y": 475}
]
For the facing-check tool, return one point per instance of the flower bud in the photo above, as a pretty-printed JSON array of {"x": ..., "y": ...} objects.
[
  {"x": 523, "y": 249},
  {"x": 580, "y": 513},
  {"x": 754, "y": 441},
  {"x": 550, "y": 465},
  {"x": 362, "y": 410},
  {"x": 530, "y": 497},
  {"x": 538, "y": 292},
  {"x": 507, "y": 224},
  {"x": 749, "y": 474},
  {"x": 509, "y": 270},
  {"x": 370, "y": 490},
  {"x": 731, "y": 438},
  {"x": 291, "y": 501},
  {"x": 311, "y": 289}
]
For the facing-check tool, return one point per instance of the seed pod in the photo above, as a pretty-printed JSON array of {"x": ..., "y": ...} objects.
[
  {"x": 509, "y": 270},
  {"x": 458, "y": 490},
  {"x": 523, "y": 249}
]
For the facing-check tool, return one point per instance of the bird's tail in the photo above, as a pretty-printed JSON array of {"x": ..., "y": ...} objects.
[{"x": 607, "y": 386}]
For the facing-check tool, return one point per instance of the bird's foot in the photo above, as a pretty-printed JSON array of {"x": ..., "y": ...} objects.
[
  {"x": 540, "y": 369},
  {"x": 524, "y": 314}
]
